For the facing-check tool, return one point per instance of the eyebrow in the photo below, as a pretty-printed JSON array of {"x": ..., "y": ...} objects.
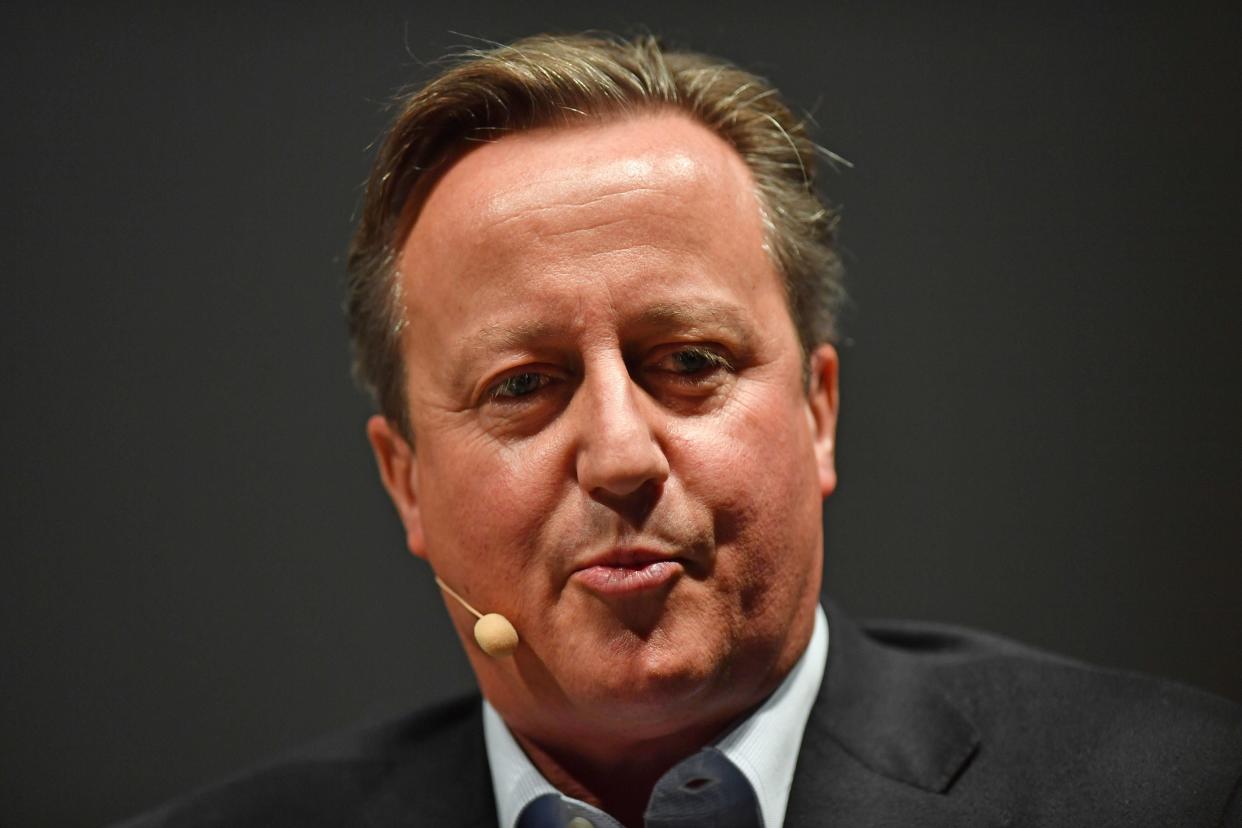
[
  {"x": 706, "y": 316},
  {"x": 500, "y": 337}
]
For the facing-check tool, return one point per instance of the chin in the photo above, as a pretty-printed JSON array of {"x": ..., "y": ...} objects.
[{"x": 658, "y": 679}]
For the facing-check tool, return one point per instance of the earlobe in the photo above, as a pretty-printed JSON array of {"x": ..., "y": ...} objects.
[
  {"x": 823, "y": 404},
  {"x": 398, "y": 470}
]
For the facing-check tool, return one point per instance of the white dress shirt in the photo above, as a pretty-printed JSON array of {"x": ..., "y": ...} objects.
[{"x": 764, "y": 747}]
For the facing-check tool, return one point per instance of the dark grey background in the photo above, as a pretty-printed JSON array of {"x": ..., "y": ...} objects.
[{"x": 1040, "y": 430}]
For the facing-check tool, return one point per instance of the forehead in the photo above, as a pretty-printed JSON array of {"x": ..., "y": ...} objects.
[
  {"x": 560, "y": 224},
  {"x": 653, "y": 155}
]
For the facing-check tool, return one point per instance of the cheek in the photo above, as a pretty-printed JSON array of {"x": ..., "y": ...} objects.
[
  {"x": 480, "y": 500},
  {"x": 753, "y": 466},
  {"x": 757, "y": 451}
]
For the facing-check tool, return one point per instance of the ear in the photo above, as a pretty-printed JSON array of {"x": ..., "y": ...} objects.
[
  {"x": 822, "y": 405},
  {"x": 398, "y": 469}
]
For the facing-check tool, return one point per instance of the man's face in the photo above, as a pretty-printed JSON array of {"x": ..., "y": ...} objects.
[{"x": 613, "y": 444}]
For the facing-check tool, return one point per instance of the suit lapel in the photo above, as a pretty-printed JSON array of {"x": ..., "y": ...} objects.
[
  {"x": 442, "y": 780},
  {"x": 883, "y": 745}
]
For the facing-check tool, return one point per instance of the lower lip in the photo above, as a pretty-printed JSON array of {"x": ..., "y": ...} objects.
[{"x": 628, "y": 580}]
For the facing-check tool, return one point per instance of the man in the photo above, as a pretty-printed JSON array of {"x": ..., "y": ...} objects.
[{"x": 593, "y": 291}]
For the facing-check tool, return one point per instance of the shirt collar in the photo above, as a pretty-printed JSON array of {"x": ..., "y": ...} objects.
[{"x": 759, "y": 746}]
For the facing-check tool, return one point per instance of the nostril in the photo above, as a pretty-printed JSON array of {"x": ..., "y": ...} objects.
[
  {"x": 697, "y": 784},
  {"x": 633, "y": 508}
]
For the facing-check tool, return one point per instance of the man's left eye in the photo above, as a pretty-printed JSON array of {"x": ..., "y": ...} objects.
[{"x": 692, "y": 362}]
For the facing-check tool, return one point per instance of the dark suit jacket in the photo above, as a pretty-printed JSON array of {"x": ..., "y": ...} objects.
[{"x": 915, "y": 725}]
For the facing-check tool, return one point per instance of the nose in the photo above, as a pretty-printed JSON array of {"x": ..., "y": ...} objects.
[{"x": 619, "y": 460}]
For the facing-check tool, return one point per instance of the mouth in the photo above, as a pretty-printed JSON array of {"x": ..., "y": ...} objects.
[{"x": 621, "y": 572}]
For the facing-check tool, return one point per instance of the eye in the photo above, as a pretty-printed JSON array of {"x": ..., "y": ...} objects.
[
  {"x": 516, "y": 386},
  {"x": 693, "y": 362}
]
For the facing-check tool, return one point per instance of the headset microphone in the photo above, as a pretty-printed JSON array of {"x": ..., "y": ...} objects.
[{"x": 493, "y": 632}]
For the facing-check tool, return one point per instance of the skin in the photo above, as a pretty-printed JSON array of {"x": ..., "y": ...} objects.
[{"x": 599, "y": 357}]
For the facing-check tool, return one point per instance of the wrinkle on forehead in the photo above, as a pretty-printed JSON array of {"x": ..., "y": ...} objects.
[{"x": 584, "y": 184}]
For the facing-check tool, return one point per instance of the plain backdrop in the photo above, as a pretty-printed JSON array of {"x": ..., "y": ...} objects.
[{"x": 1041, "y": 402}]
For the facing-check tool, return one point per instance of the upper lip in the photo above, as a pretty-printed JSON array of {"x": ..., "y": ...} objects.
[{"x": 627, "y": 556}]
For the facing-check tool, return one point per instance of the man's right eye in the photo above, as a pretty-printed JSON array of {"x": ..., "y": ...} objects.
[{"x": 518, "y": 385}]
